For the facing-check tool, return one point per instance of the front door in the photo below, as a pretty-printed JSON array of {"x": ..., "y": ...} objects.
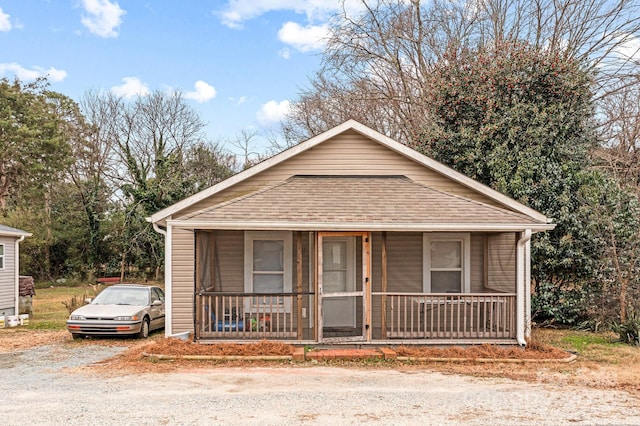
[
  {"x": 343, "y": 278},
  {"x": 338, "y": 278}
]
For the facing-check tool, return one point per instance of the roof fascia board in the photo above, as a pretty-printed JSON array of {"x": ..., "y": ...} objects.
[
  {"x": 404, "y": 227},
  {"x": 15, "y": 234}
]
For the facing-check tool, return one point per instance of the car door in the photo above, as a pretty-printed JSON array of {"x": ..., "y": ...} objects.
[{"x": 156, "y": 313}]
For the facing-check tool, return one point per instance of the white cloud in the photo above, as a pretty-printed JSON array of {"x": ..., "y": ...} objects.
[
  {"x": 131, "y": 88},
  {"x": 238, "y": 101},
  {"x": 103, "y": 17},
  {"x": 5, "y": 23},
  {"x": 203, "y": 93},
  {"x": 24, "y": 74},
  {"x": 55, "y": 74},
  {"x": 285, "y": 53},
  {"x": 629, "y": 47},
  {"x": 304, "y": 39},
  {"x": 239, "y": 11},
  {"x": 272, "y": 112}
]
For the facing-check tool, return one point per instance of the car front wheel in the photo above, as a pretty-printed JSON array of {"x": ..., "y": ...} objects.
[{"x": 144, "y": 329}]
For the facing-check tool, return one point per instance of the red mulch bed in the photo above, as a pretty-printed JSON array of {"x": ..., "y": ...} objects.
[
  {"x": 171, "y": 346},
  {"x": 483, "y": 351}
]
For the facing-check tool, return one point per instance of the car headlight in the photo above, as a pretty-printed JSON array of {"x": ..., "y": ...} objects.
[
  {"x": 77, "y": 317},
  {"x": 127, "y": 318}
]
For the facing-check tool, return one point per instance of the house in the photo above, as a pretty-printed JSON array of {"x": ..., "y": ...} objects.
[
  {"x": 10, "y": 239},
  {"x": 349, "y": 236}
]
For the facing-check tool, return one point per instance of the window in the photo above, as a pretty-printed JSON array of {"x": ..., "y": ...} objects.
[
  {"x": 157, "y": 294},
  {"x": 1, "y": 256},
  {"x": 267, "y": 265},
  {"x": 446, "y": 263}
]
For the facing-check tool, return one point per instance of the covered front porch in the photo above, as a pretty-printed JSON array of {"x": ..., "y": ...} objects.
[{"x": 360, "y": 287}]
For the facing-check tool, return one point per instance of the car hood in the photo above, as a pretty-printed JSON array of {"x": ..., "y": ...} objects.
[{"x": 108, "y": 311}]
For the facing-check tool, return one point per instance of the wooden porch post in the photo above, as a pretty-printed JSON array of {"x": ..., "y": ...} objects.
[
  {"x": 366, "y": 254},
  {"x": 383, "y": 314},
  {"x": 299, "y": 281}
]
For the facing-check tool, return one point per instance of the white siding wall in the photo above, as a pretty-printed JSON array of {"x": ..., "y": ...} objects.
[{"x": 8, "y": 278}]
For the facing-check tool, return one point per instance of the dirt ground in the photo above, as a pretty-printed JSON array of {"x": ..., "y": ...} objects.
[{"x": 620, "y": 373}]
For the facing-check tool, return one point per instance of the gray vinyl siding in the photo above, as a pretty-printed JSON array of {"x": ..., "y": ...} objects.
[
  {"x": 404, "y": 262},
  {"x": 182, "y": 280},
  {"x": 8, "y": 278},
  {"x": 230, "y": 261},
  {"x": 347, "y": 154},
  {"x": 477, "y": 263},
  {"x": 501, "y": 261}
]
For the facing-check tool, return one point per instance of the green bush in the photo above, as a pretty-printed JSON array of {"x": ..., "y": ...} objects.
[{"x": 629, "y": 330}]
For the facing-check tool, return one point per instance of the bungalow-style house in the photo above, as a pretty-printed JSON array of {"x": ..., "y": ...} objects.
[
  {"x": 10, "y": 239},
  {"x": 349, "y": 236}
]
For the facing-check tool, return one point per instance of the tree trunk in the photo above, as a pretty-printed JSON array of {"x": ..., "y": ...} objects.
[{"x": 122, "y": 265}]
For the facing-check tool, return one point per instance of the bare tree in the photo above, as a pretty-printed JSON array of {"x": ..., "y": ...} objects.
[
  {"x": 620, "y": 155},
  {"x": 245, "y": 142},
  {"x": 377, "y": 65},
  {"x": 92, "y": 144}
]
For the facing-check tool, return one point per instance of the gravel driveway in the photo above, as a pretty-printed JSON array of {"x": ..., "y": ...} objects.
[{"x": 41, "y": 386}]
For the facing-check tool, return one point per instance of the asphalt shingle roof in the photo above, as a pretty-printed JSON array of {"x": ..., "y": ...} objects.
[
  {"x": 357, "y": 200},
  {"x": 9, "y": 230}
]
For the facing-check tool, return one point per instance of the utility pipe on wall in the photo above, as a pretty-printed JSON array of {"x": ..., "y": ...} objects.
[
  {"x": 168, "y": 300},
  {"x": 521, "y": 285}
]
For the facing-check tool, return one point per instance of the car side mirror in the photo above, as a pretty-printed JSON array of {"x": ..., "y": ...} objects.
[
  {"x": 88, "y": 300},
  {"x": 157, "y": 303}
]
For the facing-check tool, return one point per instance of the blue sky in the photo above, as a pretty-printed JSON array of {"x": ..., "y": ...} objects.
[{"x": 239, "y": 62}]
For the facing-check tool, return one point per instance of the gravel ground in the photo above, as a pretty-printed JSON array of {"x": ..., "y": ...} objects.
[{"x": 51, "y": 385}]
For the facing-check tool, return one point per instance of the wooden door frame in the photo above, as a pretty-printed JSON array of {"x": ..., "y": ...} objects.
[{"x": 366, "y": 281}]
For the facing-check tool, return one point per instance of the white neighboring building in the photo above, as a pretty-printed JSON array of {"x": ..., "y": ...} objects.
[{"x": 10, "y": 239}]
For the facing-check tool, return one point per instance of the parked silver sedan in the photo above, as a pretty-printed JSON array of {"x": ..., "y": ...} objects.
[{"x": 123, "y": 309}]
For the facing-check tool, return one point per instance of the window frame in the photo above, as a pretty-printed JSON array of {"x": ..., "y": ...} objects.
[
  {"x": 2, "y": 256},
  {"x": 249, "y": 238},
  {"x": 465, "y": 270}
]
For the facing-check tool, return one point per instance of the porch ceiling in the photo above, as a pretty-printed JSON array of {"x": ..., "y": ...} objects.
[{"x": 356, "y": 202}]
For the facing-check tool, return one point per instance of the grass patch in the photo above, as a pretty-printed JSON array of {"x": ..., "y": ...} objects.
[
  {"x": 601, "y": 347},
  {"x": 49, "y": 311}
]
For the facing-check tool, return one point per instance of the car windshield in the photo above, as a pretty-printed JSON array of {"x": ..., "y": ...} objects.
[{"x": 123, "y": 296}]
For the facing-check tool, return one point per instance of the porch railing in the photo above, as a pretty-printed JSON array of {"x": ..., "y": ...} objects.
[
  {"x": 247, "y": 316},
  {"x": 447, "y": 316}
]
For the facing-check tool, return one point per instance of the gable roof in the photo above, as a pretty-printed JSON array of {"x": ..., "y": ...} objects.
[
  {"x": 356, "y": 202},
  {"x": 162, "y": 216},
  {"x": 13, "y": 232}
]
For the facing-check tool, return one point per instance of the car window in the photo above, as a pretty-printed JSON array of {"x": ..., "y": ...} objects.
[
  {"x": 123, "y": 296},
  {"x": 157, "y": 294}
]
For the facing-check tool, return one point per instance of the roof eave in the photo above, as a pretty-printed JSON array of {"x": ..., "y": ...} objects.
[
  {"x": 399, "y": 227},
  {"x": 15, "y": 234}
]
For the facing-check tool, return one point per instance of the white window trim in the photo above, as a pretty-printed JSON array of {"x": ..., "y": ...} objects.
[
  {"x": 3, "y": 257},
  {"x": 249, "y": 238},
  {"x": 465, "y": 239}
]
